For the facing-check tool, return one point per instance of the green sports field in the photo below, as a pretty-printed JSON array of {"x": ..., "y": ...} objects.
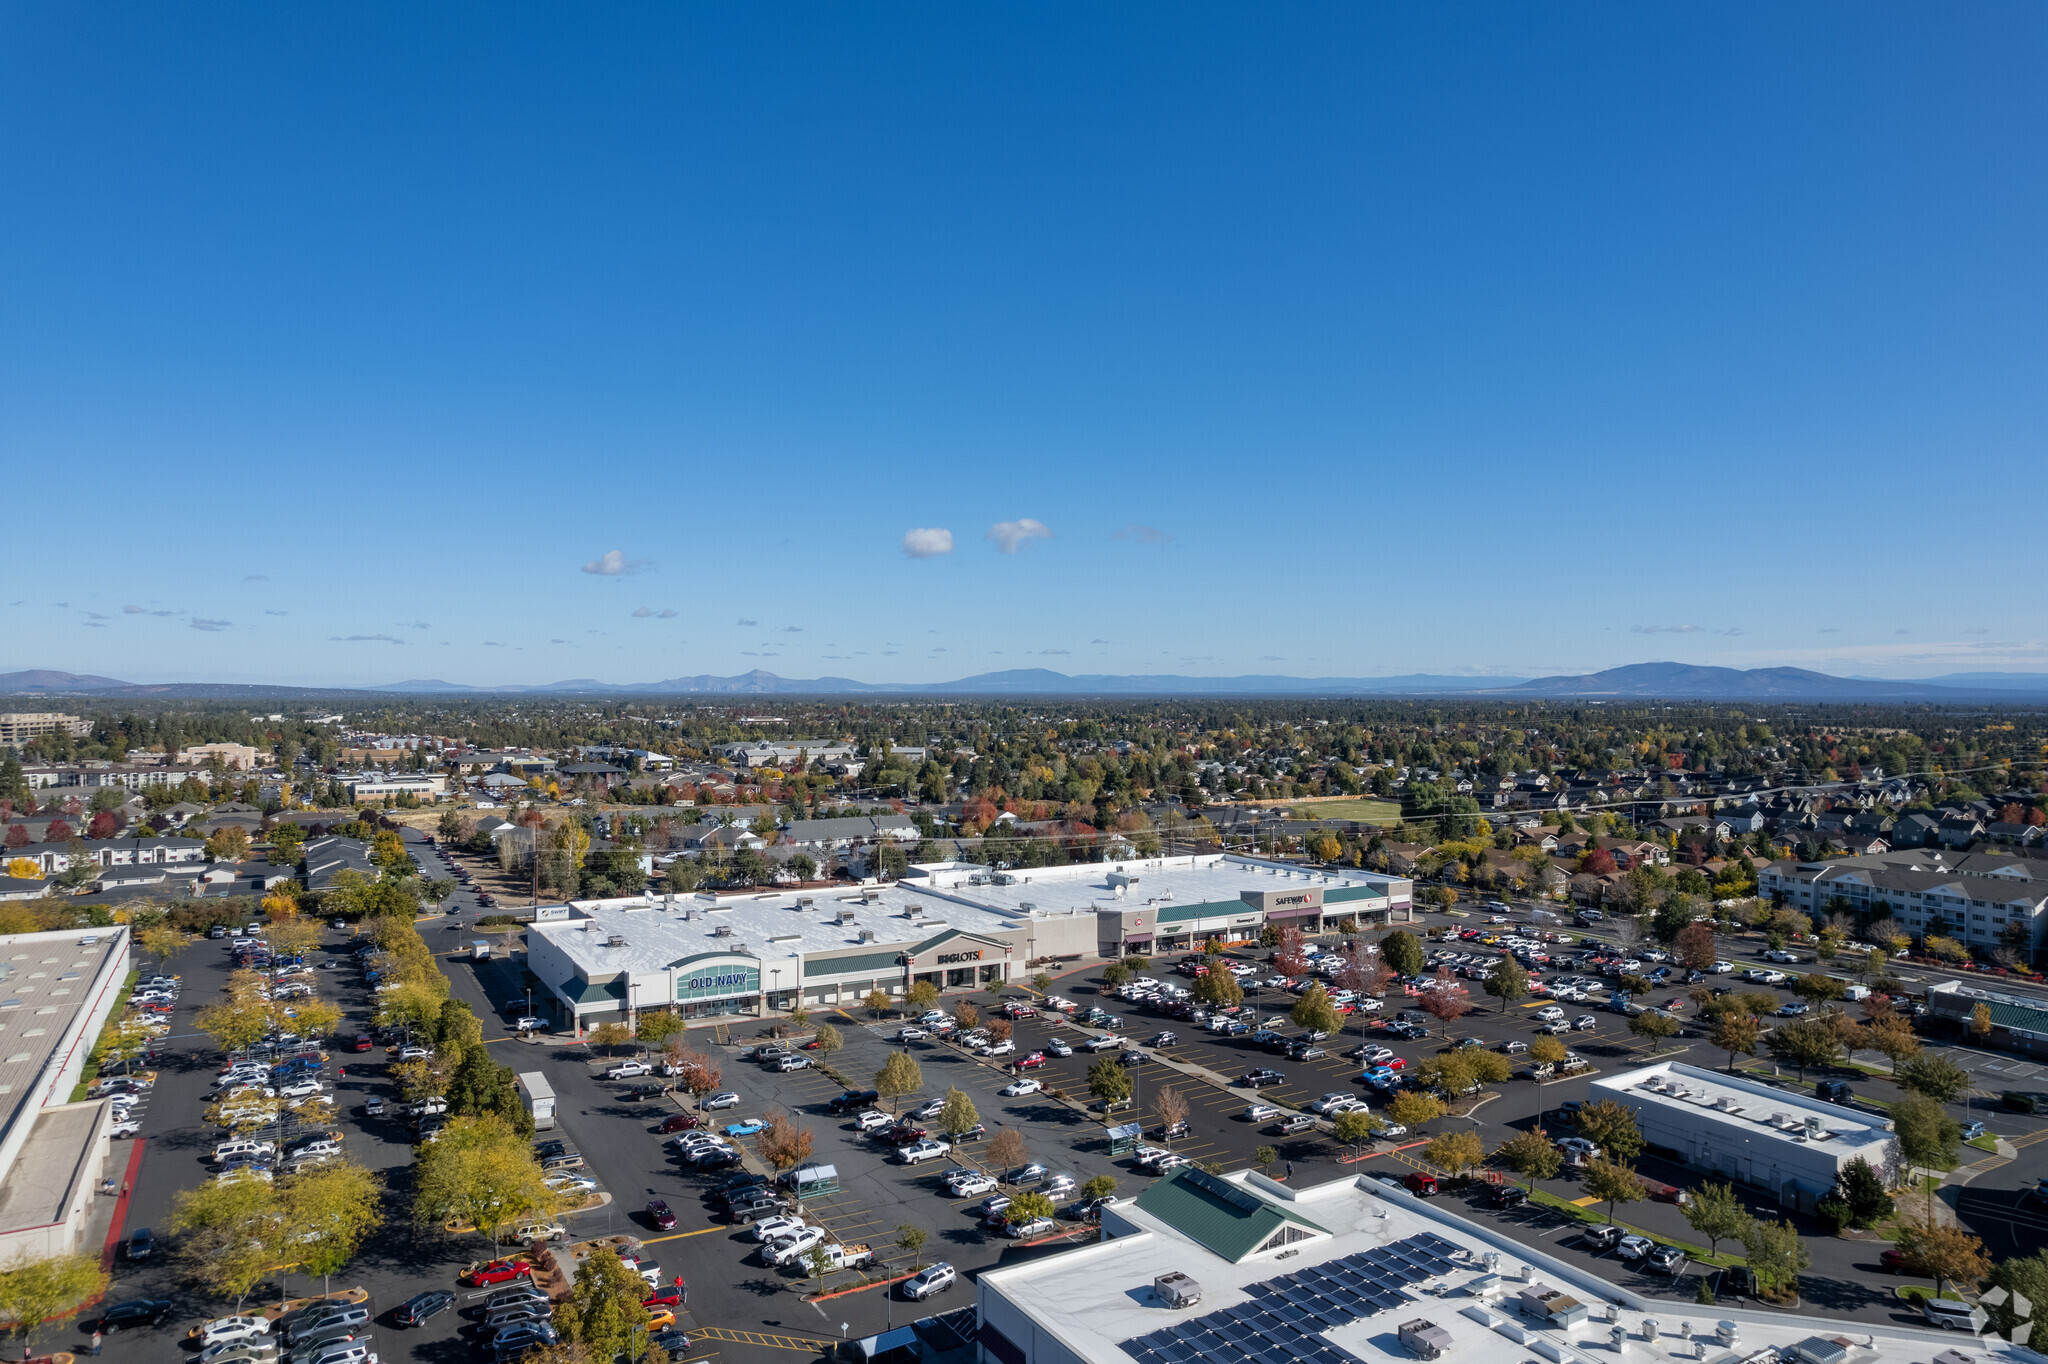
[{"x": 1372, "y": 811}]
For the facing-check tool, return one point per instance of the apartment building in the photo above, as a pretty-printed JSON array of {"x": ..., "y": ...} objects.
[
  {"x": 18, "y": 727},
  {"x": 1976, "y": 898}
]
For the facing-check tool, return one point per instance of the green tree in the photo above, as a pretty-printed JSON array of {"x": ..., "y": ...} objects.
[
  {"x": 1102, "y": 1186},
  {"x": 603, "y": 1308},
  {"x": 1863, "y": 1193},
  {"x": 899, "y": 1075},
  {"x": 1354, "y": 1128},
  {"x": 957, "y": 1114},
  {"x": 922, "y": 995},
  {"x": 656, "y": 1026},
  {"x": 1934, "y": 1076},
  {"x": 1218, "y": 989},
  {"x": 1776, "y": 1254},
  {"x": 1264, "y": 1157},
  {"x": 1109, "y": 1080},
  {"x": 876, "y": 1003},
  {"x": 480, "y": 1172},
  {"x": 2020, "y": 1276},
  {"x": 1653, "y": 1027},
  {"x": 1313, "y": 1012},
  {"x": 1028, "y": 1207},
  {"x": 911, "y": 1237},
  {"x": 1413, "y": 1108},
  {"x": 1717, "y": 1214},
  {"x": 1806, "y": 1043},
  {"x": 1116, "y": 974},
  {"x": 1928, "y": 1136},
  {"x": 1507, "y": 982},
  {"x": 1456, "y": 1152},
  {"x": 1818, "y": 988},
  {"x": 1532, "y": 1156},
  {"x": 1612, "y": 1128},
  {"x": 1736, "y": 1034},
  {"x": 226, "y": 1235},
  {"x": 1611, "y": 1182},
  {"x": 829, "y": 1041},
  {"x": 33, "y": 1290},
  {"x": 1401, "y": 950},
  {"x": 329, "y": 1213}
]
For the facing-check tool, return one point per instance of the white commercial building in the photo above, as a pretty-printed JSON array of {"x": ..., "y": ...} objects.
[
  {"x": 1245, "y": 1270},
  {"x": 1744, "y": 1130},
  {"x": 57, "y": 991}
]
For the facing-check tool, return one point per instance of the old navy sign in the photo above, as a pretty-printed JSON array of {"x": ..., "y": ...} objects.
[{"x": 716, "y": 982}]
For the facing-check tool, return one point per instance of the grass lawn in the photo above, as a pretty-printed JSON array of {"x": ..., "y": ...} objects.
[
  {"x": 1371, "y": 811},
  {"x": 1987, "y": 1142}
]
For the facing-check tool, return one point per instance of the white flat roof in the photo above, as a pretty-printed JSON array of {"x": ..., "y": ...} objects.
[
  {"x": 1204, "y": 878},
  {"x": 658, "y": 932},
  {"x": 1097, "y": 1300},
  {"x": 1690, "y": 1092}
]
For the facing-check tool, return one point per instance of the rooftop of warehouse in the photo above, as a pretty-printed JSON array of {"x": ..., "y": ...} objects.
[
  {"x": 1774, "y": 1112},
  {"x": 662, "y": 930},
  {"x": 1379, "y": 1260},
  {"x": 1201, "y": 878}
]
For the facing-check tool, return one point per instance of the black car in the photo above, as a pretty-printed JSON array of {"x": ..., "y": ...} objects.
[
  {"x": 978, "y": 1132},
  {"x": 543, "y": 1149},
  {"x": 738, "y": 1186},
  {"x": 141, "y": 1244},
  {"x": 1259, "y": 1079},
  {"x": 1508, "y": 1196},
  {"x": 417, "y": 1309},
  {"x": 135, "y": 1313},
  {"x": 637, "y": 1092},
  {"x": 853, "y": 1100},
  {"x": 675, "y": 1342}
]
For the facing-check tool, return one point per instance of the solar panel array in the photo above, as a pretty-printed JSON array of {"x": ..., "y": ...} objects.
[{"x": 1285, "y": 1320}]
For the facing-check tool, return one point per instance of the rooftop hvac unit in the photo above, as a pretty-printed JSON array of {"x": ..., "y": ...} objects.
[
  {"x": 1177, "y": 1290},
  {"x": 1026, "y": 906},
  {"x": 615, "y": 941},
  {"x": 867, "y": 935},
  {"x": 846, "y": 916},
  {"x": 1424, "y": 1339},
  {"x": 804, "y": 902},
  {"x": 722, "y": 931}
]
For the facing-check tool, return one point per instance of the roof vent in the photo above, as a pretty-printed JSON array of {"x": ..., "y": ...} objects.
[
  {"x": 722, "y": 931},
  {"x": 867, "y": 935},
  {"x": 804, "y": 901},
  {"x": 846, "y": 916},
  {"x": 615, "y": 940}
]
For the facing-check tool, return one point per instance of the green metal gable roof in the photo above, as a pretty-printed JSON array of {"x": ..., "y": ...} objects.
[
  {"x": 1174, "y": 914},
  {"x": 1225, "y": 1219},
  {"x": 2014, "y": 1016},
  {"x": 594, "y": 992}
]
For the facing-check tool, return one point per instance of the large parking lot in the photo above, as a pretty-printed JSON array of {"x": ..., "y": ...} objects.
[{"x": 740, "y": 1308}]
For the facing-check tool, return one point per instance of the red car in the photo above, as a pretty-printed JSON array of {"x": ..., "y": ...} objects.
[
  {"x": 658, "y": 1212},
  {"x": 1031, "y": 1062},
  {"x": 669, "y": 1296},
  {"x": 1893, "y": 1261},
  {"x": 1395, "y": 1063},
  {"x": 497, "y": 1272},
  {"x": 903, "y": 1136},
  {"x": 679, "y": 1122},
  {"x": 365, "y": 1042}
]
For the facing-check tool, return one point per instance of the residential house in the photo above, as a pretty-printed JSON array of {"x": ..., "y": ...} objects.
[
  {"x": 2013, "y": 835},
  {"x": 1959, "y": 831},
  {"x": 1915, "y": 829},
  {"x": 838, "y": 834}
]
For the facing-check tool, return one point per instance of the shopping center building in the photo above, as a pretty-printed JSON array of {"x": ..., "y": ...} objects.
[
  {"x": 957, "y": 926},
  {"x": 57, "y": 991},
  {"x": 1241, "y": 1269}
]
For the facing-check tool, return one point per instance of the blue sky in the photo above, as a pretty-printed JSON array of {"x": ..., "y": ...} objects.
[{"x": 343, "y": 344}]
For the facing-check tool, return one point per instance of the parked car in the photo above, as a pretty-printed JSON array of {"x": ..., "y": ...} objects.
[
  {"x": 931, "y": 1280},
  {"x": 136, "y": 1312},
  {"x": 420, "y": 1308},
  {"x": 679, "y": 1122},
  {"x": 627, "y": 1070},
  {"x": 1018, "y": 1088}
]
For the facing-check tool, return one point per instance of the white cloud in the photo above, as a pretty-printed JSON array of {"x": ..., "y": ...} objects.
[
  {"x": 200, "y": 623},
  {"x": 1011, "y": 536},
  {"x": 613, "y": 562},
  {"x": 927, "y": 542}
]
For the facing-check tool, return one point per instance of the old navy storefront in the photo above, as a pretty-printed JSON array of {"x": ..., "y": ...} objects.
[{"x": 717, "y": 983}]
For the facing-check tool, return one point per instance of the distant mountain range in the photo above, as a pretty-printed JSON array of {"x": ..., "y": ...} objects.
[{"x": 1636, "y": 681}]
